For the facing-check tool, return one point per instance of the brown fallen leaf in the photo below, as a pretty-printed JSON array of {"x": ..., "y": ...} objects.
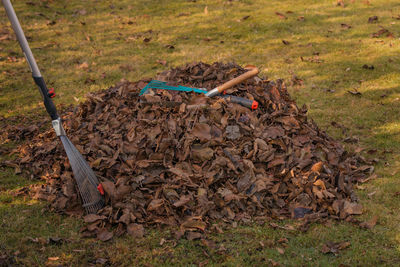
[
  {"x": 370, "y": 224},
  {"x": 209, "y": 243},
  {"x": 373, "y": 19},
  {"x": 193, "y": 235},
  {"x": 273, "y": 263},
  {"x": 193, "y": 224},
  {"x": 352, "y": 208},
  {"x": 345, "y": 26},
  {"x": 135, "y": 230},
  {"x": 317, "y": 167},
  {"x": 162, "y": 62},
  {"x": 370, "y": 67},
  {"x": 301, "y": 18},
  {"x": 354, "y": 92},
  {"x": 382, "y": 32},
  {"x": 334, "y": 248},
  {"x": 340, "y": 3},
  {"x": 280, "y": 250},
  {"x": 280, "y": 15},
  {"x": 90, "y": 218},
  {"x": 104, "y": 235},
  {"x": 83, "y": 66}
]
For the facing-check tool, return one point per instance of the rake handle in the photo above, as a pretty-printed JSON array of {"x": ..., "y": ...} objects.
[
  {"x": 247, "y": 75},
  {"x": 251, "y": 104},
  {"x": 37, "y": 76}
]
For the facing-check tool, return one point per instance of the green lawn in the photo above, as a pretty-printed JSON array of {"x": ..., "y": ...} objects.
[{"x": 84, "y": 46}]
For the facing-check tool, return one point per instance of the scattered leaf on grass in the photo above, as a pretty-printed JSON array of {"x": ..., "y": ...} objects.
[
  {"x": 345, "y": 26},
  {"x": 83, "y": 66},
  {"x": 382, "y": 32},
  {"x": 340, "y": 3},
  {"x": 135, "y": 230},
  {"x": 370, "y": 67},
  {"x": 280, "y": 15},
  {"x": 280, "y": 250},
  {"x": 300, "y": 212},
  {"x": 193, "y": 235},
  {"x": 369, "y": 224},
  {"x": 104, "y": 235},
  {"x": 373, "y": 19},
  {"x": 354, "y": 92},
  {"x": 334, "y": 248},
  {"x": 161, "y": 62}
]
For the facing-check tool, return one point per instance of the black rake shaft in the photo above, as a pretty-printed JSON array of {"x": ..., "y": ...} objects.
[{"x": 88, "y": 184}]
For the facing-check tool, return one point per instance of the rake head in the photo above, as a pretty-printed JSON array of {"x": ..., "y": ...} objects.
[
  {"x": 88, "y": 184},
  {"x": 85, "y": 178}
]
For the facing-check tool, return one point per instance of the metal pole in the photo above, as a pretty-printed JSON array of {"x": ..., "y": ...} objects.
[{"x": 21, "y": 38}]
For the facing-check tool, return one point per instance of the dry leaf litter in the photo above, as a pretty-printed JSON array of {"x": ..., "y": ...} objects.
[{"x": 185, "y": 160}]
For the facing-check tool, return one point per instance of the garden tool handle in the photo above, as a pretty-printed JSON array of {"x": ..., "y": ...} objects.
[
  {"x": 37, "y": 76},
  {"x": 245, "y": 102},
  {"x": 247, "y": 75}
]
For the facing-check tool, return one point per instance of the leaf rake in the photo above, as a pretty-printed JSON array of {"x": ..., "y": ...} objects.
[{"x": 90, "y": 188}]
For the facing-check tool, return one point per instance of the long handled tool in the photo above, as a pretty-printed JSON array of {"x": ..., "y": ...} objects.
[
  {"x": 89, "y": 187},
  {"x": 154, "y": 84},
  {"x": 253, "y": 71}
]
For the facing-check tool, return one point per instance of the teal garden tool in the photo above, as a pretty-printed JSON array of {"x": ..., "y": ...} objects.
[{"x": 154, "y": 84}]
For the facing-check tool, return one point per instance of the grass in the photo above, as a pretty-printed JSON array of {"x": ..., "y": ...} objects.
[{"x": 94, "y": 44}]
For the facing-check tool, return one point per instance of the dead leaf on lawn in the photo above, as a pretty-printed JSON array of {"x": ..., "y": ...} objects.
[
  {"x": 301, "y": 18},
  {"x": 370, "y": 224},
  {"x": 280, "y": 15},
  {"x": 354, "y": 92},
  {"x": 373, "y": 19},
  {"x": 368, "y": 67},
  {"x": 334, "y": 248},
  {"x": 161, "y": 62},
  {"x": 345, "y": 26},
  {"x": 104, "y": 235},
  {"x": 135, "y": 230},
  {"x": 83, "y": 66},
  {"x": 382, "y": 32},
  {"x": 280, "y": 250}
]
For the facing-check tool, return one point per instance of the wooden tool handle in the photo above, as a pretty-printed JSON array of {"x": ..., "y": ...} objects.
[{"x": 251, "y": 73}]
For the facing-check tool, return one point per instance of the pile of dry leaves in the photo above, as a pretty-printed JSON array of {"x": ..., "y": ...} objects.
[{"x": 181, "y": 159}]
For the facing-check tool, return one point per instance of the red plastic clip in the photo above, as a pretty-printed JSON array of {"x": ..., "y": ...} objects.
[
  {"x": 51, "y": 93},
  {"x": 254, "y": 105},
  {"x": 101, "y": 189}
]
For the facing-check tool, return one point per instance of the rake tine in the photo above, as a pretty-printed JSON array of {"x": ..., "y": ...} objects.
[{"x": 88, "y": 185}]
